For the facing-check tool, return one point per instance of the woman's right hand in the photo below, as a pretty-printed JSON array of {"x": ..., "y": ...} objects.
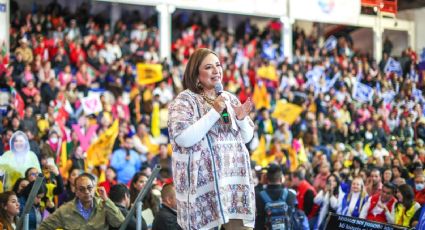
[{"x": 219, "y": 104}]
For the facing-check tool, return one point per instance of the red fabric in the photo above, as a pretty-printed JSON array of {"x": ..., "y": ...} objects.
[
  {"x": 381, "y": 216},
  {"x": 107, "y": 185},
  {"x": 303, "y": 187},
  {"x": 420, "y": 196}
]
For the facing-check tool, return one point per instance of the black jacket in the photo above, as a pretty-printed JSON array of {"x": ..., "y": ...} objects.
[
  {"x": 274, "y": 191},
  {"x": 166, "y": 219},
  {"x": 132, "y": 225}
]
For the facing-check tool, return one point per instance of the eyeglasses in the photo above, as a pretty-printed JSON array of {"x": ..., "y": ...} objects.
[
  {"x": 84, "y": 189},
  {"x": 33, "y": 174}
]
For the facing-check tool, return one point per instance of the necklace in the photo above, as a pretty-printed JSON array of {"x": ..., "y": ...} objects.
[{"x": 209, "y": 100}]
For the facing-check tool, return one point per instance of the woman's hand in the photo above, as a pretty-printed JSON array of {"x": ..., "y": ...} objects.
[
  {"x": 219, "y": 104},
  {"x": 243, "y": 110}
]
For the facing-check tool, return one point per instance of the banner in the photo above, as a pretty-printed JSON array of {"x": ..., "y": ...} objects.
[
  {"x": 346, "y": 222},
  {"x": 362, "y": 92},
  {"x": 267, "y": 72},
  {"x": 148, "y": 73},
  {"x": 393, "y": 66},
  {"x": 331, "y": 11},
  {"x": 91, "y": 105},
  {"x": 287, "y": 112},
  {"x": 330, "y": 43},
  {"x": 388, "y": 96},
  {"x": 98, "y": 152}
]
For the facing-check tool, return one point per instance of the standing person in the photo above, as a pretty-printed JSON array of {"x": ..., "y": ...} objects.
[
  {"x": 9, "y": 210},
  {"x": 120, "y": 195},
  {"x": 211, "y": 169},
  {"x": 353, "y": 202},
  {"x": 305, "y": 196},
  {"x": 126, "y": 161},
  {"x": 406, "y": 207},
  {"x": 374, "y": 182},
  {"x": 166, "y": 219},
  {"x": 328, "y": 198}
]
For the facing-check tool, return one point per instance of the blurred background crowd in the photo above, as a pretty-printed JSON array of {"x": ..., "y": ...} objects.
[{"x": 307, "y": 116}]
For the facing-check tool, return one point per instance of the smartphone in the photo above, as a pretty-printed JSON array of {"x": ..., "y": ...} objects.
[{"x": 50, "y": 161}]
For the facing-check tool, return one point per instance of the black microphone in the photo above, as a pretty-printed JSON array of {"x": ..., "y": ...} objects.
[{"x": 218, "y": 90}]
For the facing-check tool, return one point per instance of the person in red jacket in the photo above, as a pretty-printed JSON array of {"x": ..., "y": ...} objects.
[
  {"x": 419, "y": 189},
  {"x": 305, "y": 196},
  {"x": 381, "y": 206}
]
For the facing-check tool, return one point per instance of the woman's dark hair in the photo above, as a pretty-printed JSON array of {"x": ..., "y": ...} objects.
[
  {"x": 407, "y": 193},
  {"x": 133, "y": 191},
  {"x": 27, "y": 172},
  {"x": 16, "y": 186},
  {"x": 357, "y": 159},
  {"x": 336, "y": 189},
  {"x": 27, "y": 190},
  {"x": 4, "y": 219},
  {"x": 191, "y": 73}
]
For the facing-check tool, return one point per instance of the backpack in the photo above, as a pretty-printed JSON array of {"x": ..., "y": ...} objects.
[{"x": 280, "y": 216}]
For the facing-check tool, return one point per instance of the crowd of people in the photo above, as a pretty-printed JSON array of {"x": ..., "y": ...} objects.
[{"x": 351, "y": 155}]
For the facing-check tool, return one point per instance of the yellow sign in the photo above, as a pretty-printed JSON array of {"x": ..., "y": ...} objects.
[
  {"x": 267, "y": 72},
  {"x": 99, "y": 151},
  {"x": 148, "y": 73},
  {"x": 287, "y": 112}
]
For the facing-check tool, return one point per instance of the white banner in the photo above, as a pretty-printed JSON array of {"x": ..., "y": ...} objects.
[
  {"x": 91, "y": 105},
  {"x": 330, "y": 11}
]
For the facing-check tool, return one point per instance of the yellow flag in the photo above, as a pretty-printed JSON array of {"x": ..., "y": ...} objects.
[
  {"x": 99, "y": 151},
  {"x": 260, "y": 154},
  {"x": 286, "y": 112},
  {"x": 63, "y": 159},
  {"x": 367, "y": 150},
  {"x": 148, "y": 73},
  {"x": 260, "y": 97},
  {"x": 302, "y": 156},
  {"x": 293, "y": 159},
  {"x": 267, "y": 72},
  {"x": 155, "y": 120}
]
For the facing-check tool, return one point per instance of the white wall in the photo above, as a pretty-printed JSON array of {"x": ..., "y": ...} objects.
[
  {"x": 399, "y": 40},
  {"x": 418, "y": 16},
  {"x": 363, "y": 40},
  {"x": 4, "y": 25}
]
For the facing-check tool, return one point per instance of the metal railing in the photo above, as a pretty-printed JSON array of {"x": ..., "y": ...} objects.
[
  {"x": 138, "y": 202},
  {"x": 23, "y": 222}
]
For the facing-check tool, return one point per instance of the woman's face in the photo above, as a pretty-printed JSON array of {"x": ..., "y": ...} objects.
[
  {"x": 210, "y": 72},
  {"x": 110, "y": 175},
  {"x": 32, "y": 174},
  {"x": 12, "y": 207},
  {"x": 38, "y": 198},
  {"x": 19, "y": 143},
  {"x": 140, "y": 183},
  {"x": 387, "y": 175},
  {"x": 74, "y": 174},
  {"x": 332, "y": 182},
  {"x": 356, "y": 185}
]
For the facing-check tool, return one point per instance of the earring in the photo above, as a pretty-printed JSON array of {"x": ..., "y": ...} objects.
[{"x": 199, "y": 85}]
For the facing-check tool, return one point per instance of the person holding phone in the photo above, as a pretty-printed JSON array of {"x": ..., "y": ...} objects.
[{"x": 327, "y": 199}]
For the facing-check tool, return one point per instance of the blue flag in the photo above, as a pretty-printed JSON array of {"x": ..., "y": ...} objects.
[
  {"x": 362, "y": 92},
  {"x": 393, "y": 66},
  {"x": 330, "y": 43}
]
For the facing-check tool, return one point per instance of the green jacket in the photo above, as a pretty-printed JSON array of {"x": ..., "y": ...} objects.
[{"x": 67, "y": 217}]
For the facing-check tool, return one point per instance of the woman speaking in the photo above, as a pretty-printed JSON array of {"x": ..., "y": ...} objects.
[{"x": 211, "y": 166}]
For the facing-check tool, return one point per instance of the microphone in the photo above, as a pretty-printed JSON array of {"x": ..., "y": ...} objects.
[{"x": 218, "y": 90}]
